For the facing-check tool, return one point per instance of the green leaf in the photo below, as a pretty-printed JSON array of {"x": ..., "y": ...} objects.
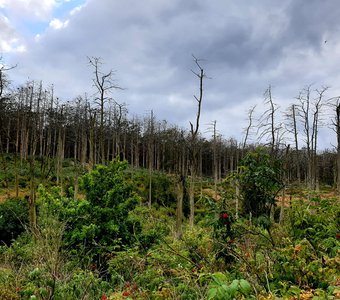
[
  {"x": 233, "y": 287},
  {"x": 245, "y": 287},
  {"x": 295, "y": 290},
  {"x": 212, "y": 293},
  {"x": 219, "y": 278},
  {"x": 43, "y": 291}
]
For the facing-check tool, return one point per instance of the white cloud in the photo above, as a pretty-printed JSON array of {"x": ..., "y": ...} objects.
[
  {"x": 21, "y": 48},
  {"x": 76, "y": 9},
  {"x": 9, "y": 41},
  {"x": 17, "y": 11},
  {"x": 57, "y": 24},
  {"x": 29, "y": 9}
]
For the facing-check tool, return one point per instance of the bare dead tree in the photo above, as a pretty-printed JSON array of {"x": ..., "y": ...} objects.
[
  {"x": 215, "y": 158},
  {"x": 249, "y": 127},
  {"x": 4, "y": 101},
  {"x": 269, "y": 129},
  {"x": 119, "y": 118},
  {"x": 193, "y": 140},
  {"x": 304, "y": 114},
  {"x": 104, "y": 83},
  {"x": 291, "y": 117},
  {"x": 4, "y": 80},
  {"x": 334, "y": 103},
  {"x": 310, "y": 111},
  {"x": 337, "y": 128},
  {"x": 319, "y": 102},
  {"x": 180, "y": 190},
  {"x": 216, "y": 140},
  {"x": 151, "y": 154}
]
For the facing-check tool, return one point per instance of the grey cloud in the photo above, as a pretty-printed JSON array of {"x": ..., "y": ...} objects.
[
  {"x": 311, "y": 22},
  {"x": 246, "y": 46}
]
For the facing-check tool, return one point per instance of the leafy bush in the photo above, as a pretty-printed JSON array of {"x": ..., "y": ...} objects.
[
  {"x": 110, "y": 197},
  {"x": 13, "y": 219},
  {"x": 317, "y": 221},
  {"x": 219, "y": 289},
  {"x": 309, "y": 256},
  {"x": 100, "y": 223},
  {"x": 81, "y": 284},
  {"x": 260, "y": 181},
  {"x": 38, "y": 267}
]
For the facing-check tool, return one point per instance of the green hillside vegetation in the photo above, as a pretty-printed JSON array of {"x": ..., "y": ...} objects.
[{"x": 109, "y": 243}]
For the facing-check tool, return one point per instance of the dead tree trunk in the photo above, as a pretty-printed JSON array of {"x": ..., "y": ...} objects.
[
  {"x": 336, "y": 128},
  {"x": 194, "y": 144},
  {"x": 180, "y": 188},
  {"x": 151, "y": 155},
  {"x": 104, "y": 84}
]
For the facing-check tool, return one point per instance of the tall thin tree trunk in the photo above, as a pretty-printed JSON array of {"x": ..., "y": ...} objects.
[
  {"x": 337, "y": 125},
  {"x": 193, "y": 144},
  {"x": 179, "y": 209}
]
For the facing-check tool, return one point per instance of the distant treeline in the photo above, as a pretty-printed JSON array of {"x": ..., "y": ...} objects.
[{"x": 35, "y": 123}]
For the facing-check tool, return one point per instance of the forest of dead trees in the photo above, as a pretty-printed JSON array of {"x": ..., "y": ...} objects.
[{"x": 36, "y": 125}]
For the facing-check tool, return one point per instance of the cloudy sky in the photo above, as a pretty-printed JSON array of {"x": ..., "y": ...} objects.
[{"x": 246, "y": 46}]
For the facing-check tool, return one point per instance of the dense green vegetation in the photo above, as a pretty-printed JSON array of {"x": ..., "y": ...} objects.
[{"x": 109, "y": 243}]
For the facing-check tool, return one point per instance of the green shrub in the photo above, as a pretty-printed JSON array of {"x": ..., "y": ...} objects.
[
  {"x": 110, "y": 197},
  {"x": 221, "y": 289},
  {"x": 318, "y": 222},
  {"x": 13, "y": 219},
  {"x": 81, "y": 285},
  {"x": 260, "y": 180}
]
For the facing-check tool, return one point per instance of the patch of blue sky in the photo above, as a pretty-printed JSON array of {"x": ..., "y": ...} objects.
[
  {"x": 3, "y": 12},
  {"x": 63, "y": 8},
  {"x": 31, "y": 28}
]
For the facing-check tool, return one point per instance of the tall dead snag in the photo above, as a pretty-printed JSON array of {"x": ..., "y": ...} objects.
[
  {"x": 269, "y": 129},
  {"x": 310, "y": 111},
  {"x": 249, "y": 127},
  {"x": 304, "y": 114},
  {"x": 318, "y": 104},
  {"x": 334, "y": 103},
  {"x": 216, "y": 145},
  {"x": 119, "y": 120},
  {"x": 33, "y": 145},
  {"x": 193, "y": 168},
  {"x": 215, "y": 158},
  {"x": 180, "y": 190},
  {"x": 291, "y": 117},
  {"x": 92, "y": 124},
  {"x": 337, "y": 128},
  {"x": 248, "y": 132},
  {"x": 151, "y": 154},
  {"x": 104, "y": 84},
  {"x": 60, "y": 155}
]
